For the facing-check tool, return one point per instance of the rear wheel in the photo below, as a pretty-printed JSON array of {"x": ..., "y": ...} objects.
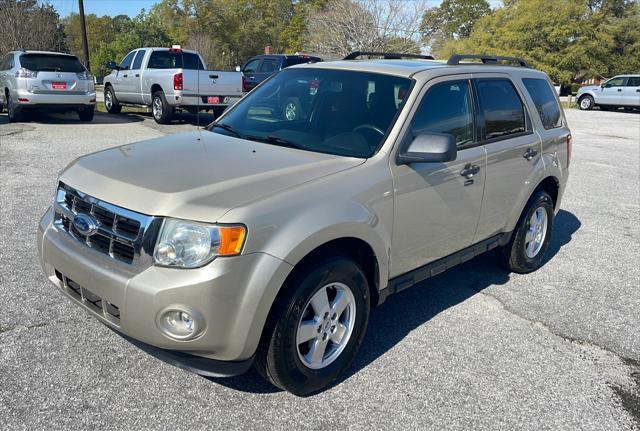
[
  {"x": 530, "y": 240},
  {"x": 86, "y": 114},
  {"x": 15, "y": 112},
  {"x": 162, "y": 111},
  {"x": 586, "y": 103},
  {"x": 319, "y": 329},
  {"x": 111, "y": 102}
]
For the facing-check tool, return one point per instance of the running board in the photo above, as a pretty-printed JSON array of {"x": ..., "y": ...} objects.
[{"x": 404, "y": 281}]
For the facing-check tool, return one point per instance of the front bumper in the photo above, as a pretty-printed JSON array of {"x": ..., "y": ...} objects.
[
  {"x": 26, "y": 98},
  {"x": 233, "y": 295}
]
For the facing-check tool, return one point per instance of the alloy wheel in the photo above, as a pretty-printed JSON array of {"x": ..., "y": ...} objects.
[{"x": 536, "y": 233}]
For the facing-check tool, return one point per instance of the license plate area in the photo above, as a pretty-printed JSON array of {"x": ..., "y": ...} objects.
[{"x": 59, "y": 85}]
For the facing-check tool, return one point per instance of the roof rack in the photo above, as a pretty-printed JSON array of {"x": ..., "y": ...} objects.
[
  {"x": 486, "y": 59},
  {"x": 387, "y": 55}
]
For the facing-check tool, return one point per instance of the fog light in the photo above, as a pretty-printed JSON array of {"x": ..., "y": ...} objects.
[{"x": 179, "y": 324}]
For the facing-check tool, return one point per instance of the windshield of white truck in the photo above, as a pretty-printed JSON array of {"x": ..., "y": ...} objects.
[
  {"x": 339, "y": 112},
  {"x": 174, "y": 60}
]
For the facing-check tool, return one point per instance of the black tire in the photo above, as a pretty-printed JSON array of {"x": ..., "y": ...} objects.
[
  {"x": 514, "y": 256},
  {"x": 111, "y": 101},
  {"x": 162, "y": 112},
  {"x": 586, "y": 103},
  {"x": 15, "y": 113},
  {"x": 86, "y": 114},
  {"x": 279, "y": 359}
]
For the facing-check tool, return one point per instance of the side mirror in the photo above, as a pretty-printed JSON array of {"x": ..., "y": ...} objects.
[
  {"x": 237, "y": 68},
  {"x": 430, "y": 148},
  {"x": 112, "y": 65},
  {"x": 602, "y": 85}
]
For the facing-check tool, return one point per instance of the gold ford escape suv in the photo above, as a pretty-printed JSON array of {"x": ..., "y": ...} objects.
[{"x": 267, "y": 238}]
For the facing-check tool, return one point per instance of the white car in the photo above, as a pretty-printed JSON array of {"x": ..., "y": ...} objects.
[{"x": 619, "y": 91}]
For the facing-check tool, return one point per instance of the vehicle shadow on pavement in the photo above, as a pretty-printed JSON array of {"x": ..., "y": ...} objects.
[
  {"x": 182, "y": 118},
  {"x": 402, "y": 313},
  {"x": 71, "y": 118}
]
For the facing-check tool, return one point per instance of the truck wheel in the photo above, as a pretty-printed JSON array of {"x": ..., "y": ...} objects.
[
  {"x": 86, "y": 113},
  {"x": 111, "y": 102},
  {"x": 162, "y": 111},
  {"x": 14, "y": 112},
  {"x": 530, "y": 240},
  {"x": 586, "y": 103},
  {"x": 316, "y": 332}
]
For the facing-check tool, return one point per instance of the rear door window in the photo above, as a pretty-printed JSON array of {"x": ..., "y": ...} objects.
[
  {"x": 501, "y": 108},
  {"x": 633, "y": 81},
  {"x": 51, "y": 63},
  {"x": 545, "y": 100},
  {"x": 137, "y": 63},
  {"x": 446, "y": 108}
]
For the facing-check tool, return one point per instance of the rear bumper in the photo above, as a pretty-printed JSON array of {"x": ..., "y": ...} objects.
[
  {"x": 27, "y": 98},
  {"x": 193, "y": 100}
]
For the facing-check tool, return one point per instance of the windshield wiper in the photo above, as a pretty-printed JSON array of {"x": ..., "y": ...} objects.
[
  {"x": 276, "y": 140},
  {"x": 226, "y": 127}
]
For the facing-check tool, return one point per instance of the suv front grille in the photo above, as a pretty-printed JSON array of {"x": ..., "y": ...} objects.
[{"x": 121, "y": 234}]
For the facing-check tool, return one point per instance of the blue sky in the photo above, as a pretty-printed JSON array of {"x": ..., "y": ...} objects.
[{"x": 133, "y": 7}]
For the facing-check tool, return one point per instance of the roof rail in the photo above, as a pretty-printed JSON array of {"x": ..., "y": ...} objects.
[
  {"x": 486, "y": 59},
  {"x": 387, "y": 55}
]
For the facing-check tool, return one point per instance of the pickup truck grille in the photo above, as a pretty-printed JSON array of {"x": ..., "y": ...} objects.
[{"x": 123, "y": 235}]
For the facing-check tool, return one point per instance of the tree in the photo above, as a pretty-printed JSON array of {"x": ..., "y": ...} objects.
[
  {"x": 565, "y": 38},
  {"x": 344, "y": 26},
  {"x": 29, "y": 25},
  {"x": 451, "y": 20}
]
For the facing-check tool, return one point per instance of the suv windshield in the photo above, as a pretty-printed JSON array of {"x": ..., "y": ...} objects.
[
  {"x": 51, "y": 63},
  {"x": 328, "y": 111}
]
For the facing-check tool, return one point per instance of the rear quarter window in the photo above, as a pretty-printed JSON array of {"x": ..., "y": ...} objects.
[{"x": 545, "y": 100}]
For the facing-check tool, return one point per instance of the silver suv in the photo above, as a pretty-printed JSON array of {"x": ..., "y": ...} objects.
[
  {"x": 267, "y": 238},
  {"x": 45, "y": 81}
]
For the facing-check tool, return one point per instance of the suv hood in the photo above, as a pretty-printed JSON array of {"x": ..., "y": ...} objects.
[{"x": 196, "y": 176}]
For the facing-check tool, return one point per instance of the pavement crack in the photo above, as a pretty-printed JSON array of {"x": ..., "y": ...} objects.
[{"x": 5, "y": 329}]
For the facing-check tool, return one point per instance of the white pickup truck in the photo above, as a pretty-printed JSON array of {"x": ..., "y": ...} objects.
[{"x": 169, "y": 80}]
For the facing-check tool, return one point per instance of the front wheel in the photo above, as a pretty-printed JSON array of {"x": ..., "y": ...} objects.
[
  {"x": 319, "y": 329},
  {"x": 162, "y": 111},
  {"x": 525, "y": 251},
  {"x": 111, "y": 102},
  {"x": 586, "y": 103}
]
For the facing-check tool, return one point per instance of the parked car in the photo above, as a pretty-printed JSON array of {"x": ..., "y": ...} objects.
[
  {"x": 169, "y": 80},
  {"x": 260, "y": 67},
  {"x": 267, "y": 240},
  {"x": 619, "y": 91},
  {"x": 32, "y": 81}
]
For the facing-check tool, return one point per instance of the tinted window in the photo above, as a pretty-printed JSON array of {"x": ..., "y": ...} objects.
[
  {"x": 174, "y": 60},
  {"x": 633, "y": 81},
  {"x": 290, "y": 61},
  {"x": 7, "y": 62},
  {"x": 137, "y": 63},
  {"x": 545, "y": 100},
  {"x": 269, "y": 65},
  {"x": 502, "y": 108},
  {"x": 126, "y": 63},
  {"x": 320, "y": 110},
  {"x": 446, "y": 108},
  {"x": 51, "y": 63},
  {"x": 252, "y": 66},
  {"x": 614, "y": 82}
]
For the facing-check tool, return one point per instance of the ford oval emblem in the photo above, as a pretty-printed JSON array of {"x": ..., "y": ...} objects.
[{"x": 85, "y": 224}]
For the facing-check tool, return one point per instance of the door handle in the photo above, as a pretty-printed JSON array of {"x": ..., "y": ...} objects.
[
  {"x": 638, "y": 90},
  {"x": 530, "y": 154},
  {"x": 137, "y": 75},
  {"x": 124, "y": 76},
  {"x": 619, "y": 89},
  {"x": 469, "y": 170}
]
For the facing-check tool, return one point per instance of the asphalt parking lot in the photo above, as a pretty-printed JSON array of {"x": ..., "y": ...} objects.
[{"x": 475, "y": 347}]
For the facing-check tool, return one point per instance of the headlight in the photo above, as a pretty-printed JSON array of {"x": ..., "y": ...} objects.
[{"x": 187, "y": 244}]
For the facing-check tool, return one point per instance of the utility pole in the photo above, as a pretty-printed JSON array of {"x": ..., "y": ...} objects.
[{"x": 83, "y": 27}]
